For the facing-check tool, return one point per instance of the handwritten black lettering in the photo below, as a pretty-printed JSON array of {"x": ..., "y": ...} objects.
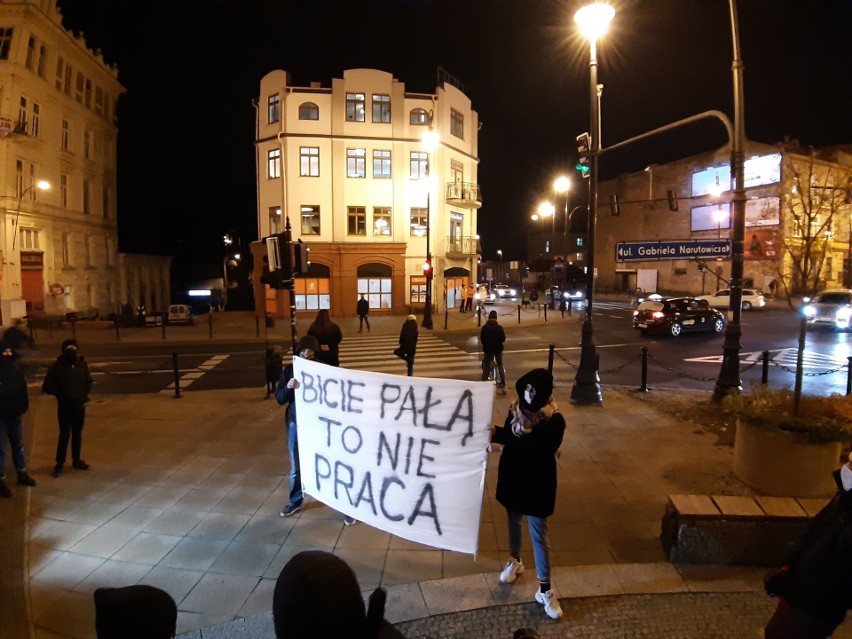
[
  {"x": 386, "y": 484},
  {"x": 427, "y": 493},
  {"x": 423, "y": 455}
]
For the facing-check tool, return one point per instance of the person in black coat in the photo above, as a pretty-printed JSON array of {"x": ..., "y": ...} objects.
[
  {"x": 363, "y": 309},
  {"x": 69, "y": 380},
  {"x": 14, "y": 402},
  {"x": 492, "y": 337},
  {"x": 814, "y": 587},
  {"x": 526, "y": 477},
  {"x": 329, "y": 336},
  {"x": 408, "y": 342}
]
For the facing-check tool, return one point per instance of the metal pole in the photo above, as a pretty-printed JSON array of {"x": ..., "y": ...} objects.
[
  {"x": 163, "y": 325},
  {"x": 550, "y": 353},
  {"x": 587, "y": 383},
  {"x": 446, "y": 315},
  {"x": 519, "y": 313},
  {"x": 849, "y": 375},
  {"x": 729, "y": 375},
  {"x": 764, "y": 374},
  {"x": 291, "y": 284},
  {"x": 210, "y": 323},
  {"x": 176, "y": 370},
  {"x": 643, "y": 388},
  {"x": 427, "y": 311}
]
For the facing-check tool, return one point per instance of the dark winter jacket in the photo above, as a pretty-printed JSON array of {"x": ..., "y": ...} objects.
[
  {"x": 284, "y": 395},
  {"x": 526, "y": 476},
  {"x": 492, "y": 337},
  {"x": 69, "y": 380},
  {"x": 332, "y": 339},
  {"x": 363, "y": 306},
  {"x": 408, "y": 337},
  {"x": 14, "y": 398},
  {"x": 820, "y": 565}
]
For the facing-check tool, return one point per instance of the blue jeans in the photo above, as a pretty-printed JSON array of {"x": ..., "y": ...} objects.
[
  {"x": 540, "y": 541},
  {"x": 12, "y": 428},
  {"x": 296, "y": 496}
]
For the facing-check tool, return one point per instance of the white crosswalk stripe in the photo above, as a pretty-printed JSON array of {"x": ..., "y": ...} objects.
[{"x": 434, "y": 358}]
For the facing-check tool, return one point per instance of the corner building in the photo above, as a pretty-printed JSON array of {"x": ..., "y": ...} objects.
[{"x": 349, "y": 168}]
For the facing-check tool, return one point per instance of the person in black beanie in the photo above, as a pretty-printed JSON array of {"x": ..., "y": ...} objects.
[
  {"x": 526, "y": 477},
  {"x": 300, "y": 601},
  {"x": 135, "y": 612},
  {"x": 69, "y": 380},
  {"x": 14, "y": 402}
]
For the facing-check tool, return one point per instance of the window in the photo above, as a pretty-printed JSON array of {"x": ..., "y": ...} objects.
[
  {"x": 381, "y": 164},
  {"x": 29, "y": 239},
  {"x": 42, "y": 60},
  {"x": 381, "y": 220},
  {"x": 355, "y": 107},
  {"x": 5, "y": 42},
  {"x": 456, "y": 123},
  {"x": 87, "y": 251},
  {"x": 419, "y": 164},
  {"x": 418, "y": 288},
  {"x": 66, "y": 249},
  {"x": 86, "y": 194},
  {"x": 375, "y": 283},
  {"x": 381, "y": 108},
  {"x": 309, "y": 161},
  {"x": 19, "y": 178},
  {"x": 23, "y": 106},
  {"x": 100, "y": 101},
  {"x": 87, "y": 144},
  {"x": 579, "y": 241},
  {"x": 60, "y": 72},
  {"x": 418, "y": 117},
  {"x": 273, "y": 164},
  {"x": 356, "y": 220},
  {"x": 273, "y": 108},
  {"x": 308, "y": 111},
  {"x": 275, "y": 223},
  {"x": 63, "y": 191},
  {"x": 69, "y": 75},
  {"x": 36, "y": 123},
  {"x": 31, "y": 43},
  {"x": 87, "y": 99},
  {"x": 66, "y": 134},
  {"x": 310, "y": 219},
  {"x": 419, "y": 218},
  {"x": 356, "y": 163},
  {"x": 79, "y": 86}
]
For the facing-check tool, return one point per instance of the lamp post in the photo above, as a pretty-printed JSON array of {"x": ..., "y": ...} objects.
[
  {"x": 430, "y": 143},
  {"x": 41, "y": 185},
  {"x": 593, "y": 21}
]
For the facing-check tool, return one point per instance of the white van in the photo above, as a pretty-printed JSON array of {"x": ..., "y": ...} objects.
[{"x": 180, "y": 314}]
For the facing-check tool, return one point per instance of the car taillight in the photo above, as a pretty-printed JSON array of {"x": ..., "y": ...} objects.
[
  {"x": 635, "y": 313},
  {"x": 657, "y": 315}
]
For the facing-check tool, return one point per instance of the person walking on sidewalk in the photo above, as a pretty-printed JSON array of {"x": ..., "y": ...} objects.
[
  {"x": 14, "y": 402},
  {"x": 814, "y": 586},
  {"x": 363, "y": 309},
  {"x": 464, "y": 296},
  {"x": 69, "y": 380},
  {"x": 492, "y": 337},
  {"x": 408, "y": 342},
  {"x": 329, "y": 336},
  {"x": 526, "y": 476}
]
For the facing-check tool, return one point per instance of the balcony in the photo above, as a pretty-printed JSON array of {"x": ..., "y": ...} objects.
[
  {"x": 465, "y": 195},
  {"x": 461, "y": 247}
]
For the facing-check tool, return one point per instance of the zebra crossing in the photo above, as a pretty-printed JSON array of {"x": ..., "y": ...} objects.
[{"x": 434, "y": 358}]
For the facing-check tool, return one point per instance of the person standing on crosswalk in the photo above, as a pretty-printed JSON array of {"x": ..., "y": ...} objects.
[
  {"x": 408, "y": 342},
  {"x": 492, "y": 337},
  {"x": 329, "y": 336}
]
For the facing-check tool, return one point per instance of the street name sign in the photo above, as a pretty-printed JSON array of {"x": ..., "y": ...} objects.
[{"x": 672, "y": 250}]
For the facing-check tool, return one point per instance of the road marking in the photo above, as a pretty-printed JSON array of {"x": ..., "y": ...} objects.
[{"x": 781, "y": 356}]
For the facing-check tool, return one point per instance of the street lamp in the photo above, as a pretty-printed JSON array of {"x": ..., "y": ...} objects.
[
  {"x": 593, "y": 20},
  {"x": 430, "y": 143},
  {"x": 41, "y": 185}
]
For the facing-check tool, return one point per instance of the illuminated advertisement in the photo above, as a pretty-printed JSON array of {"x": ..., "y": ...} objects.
[{"x": 757, "y": 171}]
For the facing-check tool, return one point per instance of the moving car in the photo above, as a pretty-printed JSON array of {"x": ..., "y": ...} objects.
[
  {"x": 832, "y": 307},
  {"x": 180, "y": 314},
  {"x": 752, "y": 298},
  {"x": 556, "y": 296},
  {"x": 504, "y": 292},
  {"x": 482, "y": 293},
  {"x": 677, "y": 315}
]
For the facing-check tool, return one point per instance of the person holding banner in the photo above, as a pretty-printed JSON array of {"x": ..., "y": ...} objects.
[
  {"x": 526, "y": 476},
  {"x": 329, "y": 336}
]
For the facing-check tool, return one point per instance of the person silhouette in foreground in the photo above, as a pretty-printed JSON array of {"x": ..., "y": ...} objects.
[
  {"x": 134, "y": 612},
  {"x": 814, "y": 586},
  {"x": 14, "y": 402},
  {"x": 306, "y": 585}
]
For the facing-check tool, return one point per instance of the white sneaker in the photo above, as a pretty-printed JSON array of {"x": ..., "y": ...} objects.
[
  {"x": 550, "y": 603},
  {"x": 511, "y": 571}
]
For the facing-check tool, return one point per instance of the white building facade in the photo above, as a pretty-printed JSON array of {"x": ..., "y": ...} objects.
[
  {"x": 59, "y": 247},
  {"x": 349, "y": 167}
]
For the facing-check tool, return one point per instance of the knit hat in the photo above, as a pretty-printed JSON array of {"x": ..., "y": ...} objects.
[
  {"x": 534, "y": 389},
  {"x": 412, "y": 317},
  {"x": 492, "y": 315},
  {"x": 308, "y": 341},
  {"x": 68, "y": 342},
  {"x": 134, "y": 612}
]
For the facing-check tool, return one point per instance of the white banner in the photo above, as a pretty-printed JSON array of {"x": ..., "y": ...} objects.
[{"x": 406, "y": 455}]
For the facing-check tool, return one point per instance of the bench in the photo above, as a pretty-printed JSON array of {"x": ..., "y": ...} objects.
[{"x": 729, "y": 530}]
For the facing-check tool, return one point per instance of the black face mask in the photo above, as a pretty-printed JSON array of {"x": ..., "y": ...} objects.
[{"x": 69, "y": 355}]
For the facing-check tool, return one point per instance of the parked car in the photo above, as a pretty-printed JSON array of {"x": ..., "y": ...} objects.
[
  {"x": 752, "y": 298},
  {"x": 677, "y": 315},
  {"x": 504, "y": 292},
  {"x": 832, "y": 307},
  {"x": 180, "y": 314}
]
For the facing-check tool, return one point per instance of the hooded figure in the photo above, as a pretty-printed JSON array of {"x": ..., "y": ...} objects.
[
  {"x": 14, "y": 402},
  {"x": 69, "y": 380},
  {"x": 814, "y": 587},
  {"x": 300, "y": 601},
  {"x": 134, "y": 612},
  {"x": 408, "y": 342}
]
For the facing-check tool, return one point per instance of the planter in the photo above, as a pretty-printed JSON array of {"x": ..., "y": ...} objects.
[{"x": 784, "y": 464}]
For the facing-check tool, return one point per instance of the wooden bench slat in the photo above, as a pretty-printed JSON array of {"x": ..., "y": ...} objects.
[
  {"x": 780, "y": 506},
  {"x": 694, "y": 504},
  {"x": 737, "y": 506}
]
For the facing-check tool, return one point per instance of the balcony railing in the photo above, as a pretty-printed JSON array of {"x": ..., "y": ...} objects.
[
  {"x": 462, "y": 246},
  {"x": 464, "y": 194}
]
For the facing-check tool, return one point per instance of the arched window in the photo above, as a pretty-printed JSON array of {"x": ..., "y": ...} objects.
[
  {"x": 419, "y": 116},
  {"x": 374, "y": 282},
  {"x": 308, "y": 111},
  {"x": 313, "y": 289}
]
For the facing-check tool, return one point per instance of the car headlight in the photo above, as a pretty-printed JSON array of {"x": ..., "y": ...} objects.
[
  {"x": 809, "y": 311},
  {"x": 512, "y": 292},
  {"x": 844, "y": 314}
]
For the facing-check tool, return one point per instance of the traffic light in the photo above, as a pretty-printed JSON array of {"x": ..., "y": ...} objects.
[
  {"x": 672, "y": 195},
  {"x": 273, "y": 279},
  {"x": 299, "y": 254},
  {"x": 427, "y": 268},
  {"x": 584, "y": 147}
]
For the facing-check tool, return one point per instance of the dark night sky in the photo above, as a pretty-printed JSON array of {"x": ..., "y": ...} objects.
[{"x": 192, "y": 67}]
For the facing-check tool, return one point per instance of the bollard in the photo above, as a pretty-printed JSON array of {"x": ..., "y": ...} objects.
[
  {"x": 849, "y": 375},
  {"x": 519, "y": 313},
  {"x": 446, "y": 316},
  {"x": 117, "y": 332},
  {"x": 570, "y": 306},
  {"x": 562, "y": 310},
  {"x": 643, "y": 388},
  {"x": 256, "y": 326},
  {"x": 177, "y": 374},
  {"x": 764, "y": 375},
  {"x": 545, "y": 312},
  {"x": 479, "y": 315},
  {"x": 210, "y": 324},
  {"x": 550, "y": 352},
  {"x": 163, "y": 325},
  {"x": 74, "y": 329}
]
